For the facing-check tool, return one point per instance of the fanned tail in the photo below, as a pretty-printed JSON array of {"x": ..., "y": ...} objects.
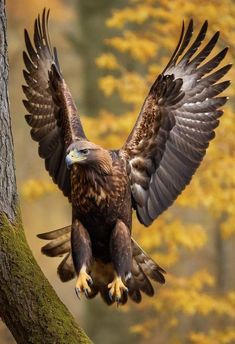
[{"x": 144, "y": 269}]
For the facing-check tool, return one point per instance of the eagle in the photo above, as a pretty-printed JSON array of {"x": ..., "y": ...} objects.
[{"x": 145, "y": 176}]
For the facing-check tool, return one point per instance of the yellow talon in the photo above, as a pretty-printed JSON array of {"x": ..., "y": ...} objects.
[
  {"x": 83, "y": 281},
  {"x": 116, "y": 288}
]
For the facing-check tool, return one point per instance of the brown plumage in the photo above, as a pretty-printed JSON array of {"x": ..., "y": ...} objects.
[{"x": 159, "y": 158}]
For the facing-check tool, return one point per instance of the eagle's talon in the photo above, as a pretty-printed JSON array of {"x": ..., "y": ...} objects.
[
  {"x": 86, "y": 292},
  {"x": 116, "y": 289},
  {"x": 83, "y": 283},
  {"x": 90, "y": 281},
  {"x": 117, "y": 299},
  {"x": 77, "y": 291},
  {"x": 110, "y": 296}
]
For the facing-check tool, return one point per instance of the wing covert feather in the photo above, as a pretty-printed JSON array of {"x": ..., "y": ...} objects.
[{"x": 175, "y": 125}]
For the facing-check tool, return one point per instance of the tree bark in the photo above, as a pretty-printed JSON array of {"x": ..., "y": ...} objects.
[
  {"x": 28, "y": 304},
  {"x": 8, "y": 193}
]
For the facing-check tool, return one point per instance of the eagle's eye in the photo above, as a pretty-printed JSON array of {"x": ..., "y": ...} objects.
[{"x": 84, "y": 151}]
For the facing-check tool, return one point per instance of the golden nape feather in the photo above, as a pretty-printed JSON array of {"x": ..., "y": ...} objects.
[{"x": 163, "y": 151}]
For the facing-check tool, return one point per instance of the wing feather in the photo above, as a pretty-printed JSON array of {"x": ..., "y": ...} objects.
[
  {"x": 52, "y": 114},
  {"x": 176, "y": 124}
]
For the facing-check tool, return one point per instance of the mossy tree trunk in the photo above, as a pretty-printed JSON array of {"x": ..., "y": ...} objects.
[{"x": 28, "y": 304}]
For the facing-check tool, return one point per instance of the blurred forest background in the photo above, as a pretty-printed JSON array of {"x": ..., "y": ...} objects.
[{"x": 110, "y": 52}]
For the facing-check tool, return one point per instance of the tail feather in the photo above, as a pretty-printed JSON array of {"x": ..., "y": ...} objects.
[
  {"x": 59, "y": 244},
  {"x": 141, "y": 281},
  {"x": 104, "y": 293},
  {"x": 135, "y": 295},
  {"x": 150, "y": 268},
  {"x": 55, "y": 234},
  {"x": 156, "y": 274},
  {"x": 66, "y": 270},
  {"x": 57, "y": 247},
  {"x": 144, "y": 268}
]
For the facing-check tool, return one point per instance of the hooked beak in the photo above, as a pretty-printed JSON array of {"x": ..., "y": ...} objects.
[{"x": 73, "y": 157}]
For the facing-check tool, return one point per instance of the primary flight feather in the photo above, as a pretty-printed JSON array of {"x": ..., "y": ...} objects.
[{"x": 159, "y": 158}]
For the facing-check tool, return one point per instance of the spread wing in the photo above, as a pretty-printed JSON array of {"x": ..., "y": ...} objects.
[
  {"x": 52, "y": 112},
  {"x": 175, "y": 125}
]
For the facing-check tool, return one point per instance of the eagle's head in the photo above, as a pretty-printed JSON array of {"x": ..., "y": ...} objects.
[{"x": 89, "y": 155}]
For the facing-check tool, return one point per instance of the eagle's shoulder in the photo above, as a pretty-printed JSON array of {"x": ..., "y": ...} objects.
[
  {"x": 115, "y": 154},
  {"x": 119, "y": 162}
]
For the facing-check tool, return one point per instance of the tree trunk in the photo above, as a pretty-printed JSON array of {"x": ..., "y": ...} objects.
[
  {"x": 28, "y": 304},
  {"x": 89, "y": 44},
  {"x": 8, "y": 193},
  {"x": 220, "y": 255}
]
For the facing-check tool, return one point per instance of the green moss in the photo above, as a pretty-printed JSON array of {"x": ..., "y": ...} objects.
[{"x": 29, "y": 305}]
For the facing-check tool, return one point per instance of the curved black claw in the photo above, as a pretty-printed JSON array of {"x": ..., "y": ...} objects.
[
  {"x": 118, "y": 300},
  {"x": 90, "y": 281},
  {"x": 111, "y": 296},
  {"x": 123, "y": 299},
  {"x": 86, "y": 292},
  {"x": 78, "y": 291}
]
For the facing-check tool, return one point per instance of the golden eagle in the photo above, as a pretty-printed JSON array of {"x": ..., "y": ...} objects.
[{"x": 159, "y": 158}]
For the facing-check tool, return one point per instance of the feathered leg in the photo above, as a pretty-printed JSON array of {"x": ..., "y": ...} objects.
[
  {"x": 82, "y": 257},
  {"x": 121, "y": 255}
]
